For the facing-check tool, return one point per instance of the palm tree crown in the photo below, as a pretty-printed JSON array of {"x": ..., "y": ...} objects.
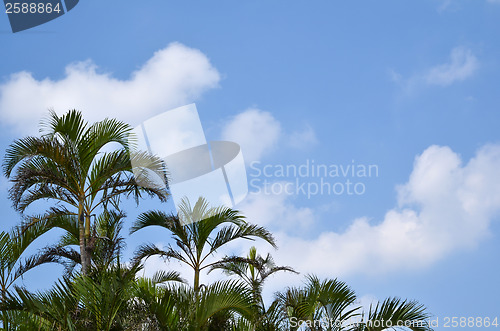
[
  {"x": 68, "y": 165},
  {"x": 198, "y": 231}
]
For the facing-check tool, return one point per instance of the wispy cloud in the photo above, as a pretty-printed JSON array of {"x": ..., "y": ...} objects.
[
  {"x": 453, "y": 5},
  {"x": 445, "y": 4},
  {"x": 462, "y": 64},
  {"x": 173, "y": 76}
]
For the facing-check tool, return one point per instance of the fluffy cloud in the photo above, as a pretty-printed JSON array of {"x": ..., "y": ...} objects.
[
  {"x": 258, "y": 132},
  {"x": 255, "y": 130},
  {"x": 444, "y": 207},
  {"x": 174, "y": 76},
  {"x": 276, "y": 211}
]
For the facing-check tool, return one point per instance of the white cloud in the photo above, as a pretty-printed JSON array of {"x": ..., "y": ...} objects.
[
  {"x": 276, "y": 211},
  {"x": 174, "y": 76},
  {"x": 444, "y": 207},
  {"x": 256, "y": 131},
  {"x": 462, "y": 65}
]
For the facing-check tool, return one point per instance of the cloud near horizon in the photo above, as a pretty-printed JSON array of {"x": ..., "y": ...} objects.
[{"x": 172, "y": 77}]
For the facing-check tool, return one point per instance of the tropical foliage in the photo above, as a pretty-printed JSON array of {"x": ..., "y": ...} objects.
[
  {"x": 198, "y": 232},
  {"x": 73, "y": 167},
  {"x": 69, "y": 165}
]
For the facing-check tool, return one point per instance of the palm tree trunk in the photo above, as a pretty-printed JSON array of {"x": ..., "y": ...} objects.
[
  {"x": 87, "y": 241},
  {"x": 196, "y": 280},
  {"x": 83, "y": 246},
  {"x": 5, "y": 321}
]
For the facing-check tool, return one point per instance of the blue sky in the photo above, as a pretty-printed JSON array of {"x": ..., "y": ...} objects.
[{"x": 411, "y": 87}]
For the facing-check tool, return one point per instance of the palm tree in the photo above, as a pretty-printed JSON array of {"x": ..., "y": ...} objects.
[
  {"x": 181, "y": 308},
  {"x": 198, "y": 232},
  {"x": 12, "y": 266},
  {"x": 104, "y": 300},
  {"x": 70, "y": 165},
  {"x": 254, "y": 270},
  {"x": 318, "y": 300},
  {"x": 330, "y": 305},
  {"x": 106, "y": 241},
  {"x": 82, "y": 303}
]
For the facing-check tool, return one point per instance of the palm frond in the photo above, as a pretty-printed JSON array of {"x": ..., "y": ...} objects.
[
  {"x": 396, "y": 313},
  {"x": 247, "y": 231},
  {"x": 163, "y": 276},
  {"x": 159, "y": 218}
]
